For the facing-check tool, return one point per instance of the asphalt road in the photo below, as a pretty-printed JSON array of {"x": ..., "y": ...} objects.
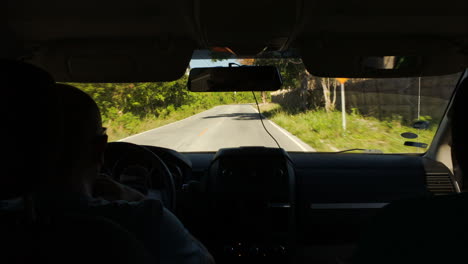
[{"x": 220, "y": 127}]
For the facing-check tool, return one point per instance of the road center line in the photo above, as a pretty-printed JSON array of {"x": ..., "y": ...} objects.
[{"x": 203, "y": 132}]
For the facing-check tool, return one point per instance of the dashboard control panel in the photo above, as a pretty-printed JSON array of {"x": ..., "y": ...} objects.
[{"x": 252, "y": 192}]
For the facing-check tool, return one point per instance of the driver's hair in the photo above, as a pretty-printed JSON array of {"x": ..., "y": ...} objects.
[{"x": 81, "y": 125}]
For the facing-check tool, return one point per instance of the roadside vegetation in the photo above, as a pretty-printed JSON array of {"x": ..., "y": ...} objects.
[
  {"x": 307, "y": 108},
  {"x": 132, "y": 108},
  {"x": 323, "y": 130}
]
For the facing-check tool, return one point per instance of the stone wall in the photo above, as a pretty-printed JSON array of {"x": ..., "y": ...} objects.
[{"x": 380, "y": 98}]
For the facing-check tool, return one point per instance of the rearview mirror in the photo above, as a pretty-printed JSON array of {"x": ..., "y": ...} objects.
[{"x": 244, "y": 78}]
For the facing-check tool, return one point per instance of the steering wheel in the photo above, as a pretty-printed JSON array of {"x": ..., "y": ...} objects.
[{"x": 120, "y": 156}]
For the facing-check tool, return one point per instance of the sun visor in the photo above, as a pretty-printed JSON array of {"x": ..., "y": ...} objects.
[
  {"x": 115, "y": 61},
  {"x": 383, "y": 58}
]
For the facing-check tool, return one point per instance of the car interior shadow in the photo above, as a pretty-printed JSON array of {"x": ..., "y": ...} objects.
[{"x": 236, "y": 116}]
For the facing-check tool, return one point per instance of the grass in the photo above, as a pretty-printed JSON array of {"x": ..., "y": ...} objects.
[
  {"x": 323, "y": 131},
  {"x": 127, "y": 125},
  {"x": 123, "y": 123}
]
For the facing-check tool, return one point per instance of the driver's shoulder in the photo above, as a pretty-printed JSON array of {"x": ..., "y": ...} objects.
[
  {"x": 142, "y": 218},
  {"x": 147, "y": 207}
]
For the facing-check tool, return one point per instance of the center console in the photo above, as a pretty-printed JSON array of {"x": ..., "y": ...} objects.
[{"x": 251, "y": 200}]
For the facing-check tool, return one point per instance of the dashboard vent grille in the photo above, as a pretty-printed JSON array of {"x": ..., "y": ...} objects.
[{"x": 439, "y": 183}]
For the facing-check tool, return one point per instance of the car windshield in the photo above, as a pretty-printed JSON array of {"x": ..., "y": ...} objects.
[{"x": 309, "y": 114}]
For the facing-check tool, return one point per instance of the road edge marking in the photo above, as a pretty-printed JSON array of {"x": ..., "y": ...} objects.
[
  {"x": 287, "y": 133},
  {"x": 173, "y": 123}
]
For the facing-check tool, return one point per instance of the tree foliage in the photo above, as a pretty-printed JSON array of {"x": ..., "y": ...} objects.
[
  {"x": 296, "y": 77},
  {"x": 137, "y": 101}
]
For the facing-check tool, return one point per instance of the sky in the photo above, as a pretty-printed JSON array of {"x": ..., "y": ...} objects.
[{"x": 209, "y": 63}]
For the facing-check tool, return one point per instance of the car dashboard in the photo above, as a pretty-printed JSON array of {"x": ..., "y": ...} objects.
[{"x": 255, "y": 204}]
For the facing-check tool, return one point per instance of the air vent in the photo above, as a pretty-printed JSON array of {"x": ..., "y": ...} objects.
[{"x": 439, "y": 183}]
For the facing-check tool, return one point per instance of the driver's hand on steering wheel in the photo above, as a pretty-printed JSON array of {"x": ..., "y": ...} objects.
[{"x": 109, "y": 189}]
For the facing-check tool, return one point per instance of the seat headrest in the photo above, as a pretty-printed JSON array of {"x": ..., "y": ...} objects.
[
  {"x": 29, "y": 115},
  {"x": 459, "y": 127}
]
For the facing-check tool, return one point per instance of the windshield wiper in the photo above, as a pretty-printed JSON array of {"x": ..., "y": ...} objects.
[{"x": 372, "y": 151}]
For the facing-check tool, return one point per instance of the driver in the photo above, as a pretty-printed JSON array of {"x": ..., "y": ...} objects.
[{"x": 73, "y": 187}]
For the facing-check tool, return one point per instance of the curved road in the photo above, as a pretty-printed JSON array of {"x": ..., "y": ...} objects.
[{"x": 220, "y": 127}]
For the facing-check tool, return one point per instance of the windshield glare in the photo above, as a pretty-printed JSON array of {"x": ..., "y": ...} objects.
[{"x": 393, "y": 115}]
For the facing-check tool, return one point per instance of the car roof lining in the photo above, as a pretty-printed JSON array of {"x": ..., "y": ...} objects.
[{"x": 35, "y": 28}]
